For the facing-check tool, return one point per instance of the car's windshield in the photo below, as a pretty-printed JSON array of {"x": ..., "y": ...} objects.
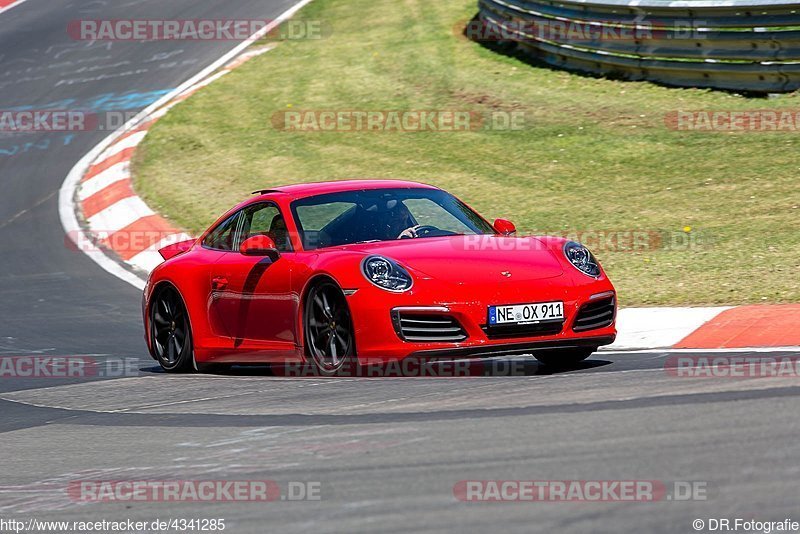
[{"x": 383, "y": 215}]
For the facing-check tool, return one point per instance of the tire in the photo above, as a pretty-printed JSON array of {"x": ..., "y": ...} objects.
[
  {"x": 563, "y": 357},
  {"x": 171, "y": 331},
  {"x": 328, "y": 329}
]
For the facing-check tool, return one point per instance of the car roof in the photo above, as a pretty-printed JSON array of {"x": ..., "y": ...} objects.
[{"x": 320, "y": 188}]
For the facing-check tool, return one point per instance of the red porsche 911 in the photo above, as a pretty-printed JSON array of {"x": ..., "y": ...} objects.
[{"x": 362, "y": 272}]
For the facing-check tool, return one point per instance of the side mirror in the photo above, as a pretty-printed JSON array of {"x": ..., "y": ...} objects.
[
  {"x": 505, "y": 227},
  {"x": 259, "y": 245}
]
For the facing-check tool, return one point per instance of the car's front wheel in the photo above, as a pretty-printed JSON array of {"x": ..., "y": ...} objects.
[
  {"x": 330, "y": 343},
  {"x": 562, "y": 357},
  {"x": 170, "y": 331}
]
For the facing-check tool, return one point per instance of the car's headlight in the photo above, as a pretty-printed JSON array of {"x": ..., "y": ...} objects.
[
  {"x": 583, "y": 260},
  {"x": 386, "y": 274}
]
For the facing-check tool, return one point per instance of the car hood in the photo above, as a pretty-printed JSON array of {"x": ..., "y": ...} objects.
[{"x": 470, "y": 259}]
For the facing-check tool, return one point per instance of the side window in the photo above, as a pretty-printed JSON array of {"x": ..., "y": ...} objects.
[
  {"x": 266, "y": 219},
  {"x": 222, "y": 237},
  {"x": 324, "y": 224}
]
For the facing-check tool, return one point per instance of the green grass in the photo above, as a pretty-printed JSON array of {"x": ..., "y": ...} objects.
[{"x": 595, "y": 154}]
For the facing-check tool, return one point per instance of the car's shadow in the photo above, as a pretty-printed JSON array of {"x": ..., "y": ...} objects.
[{"x": 473, "y": 368}]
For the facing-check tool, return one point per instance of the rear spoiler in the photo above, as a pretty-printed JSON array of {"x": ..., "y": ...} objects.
[{"x": 176, "y": 248}]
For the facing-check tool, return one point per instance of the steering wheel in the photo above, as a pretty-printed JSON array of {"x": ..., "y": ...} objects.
[{"x": 420, "y": 230}]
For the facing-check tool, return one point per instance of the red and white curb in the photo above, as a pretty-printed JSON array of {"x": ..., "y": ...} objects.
[
  {"x": 99, "y": 207},
  {"x": 775, "y": 326},
  {"x": 659, "y": 327},
  {"x": 5, "y": 5},
  {"x": 116, "y": 218}
]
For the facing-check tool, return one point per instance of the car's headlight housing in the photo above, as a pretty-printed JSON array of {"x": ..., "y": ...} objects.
[
  {"x": 386, "y": 274},
  {"x": 582, "y": 259}
]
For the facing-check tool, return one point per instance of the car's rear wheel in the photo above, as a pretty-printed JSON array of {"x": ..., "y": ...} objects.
[
  {"x": 170, "y": 331},
  {"x": 330, "y": 342},
  {"x": 563, "y": 357}
]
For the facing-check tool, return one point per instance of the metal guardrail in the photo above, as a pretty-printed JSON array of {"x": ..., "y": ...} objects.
[{"x": 740, "y": 45}]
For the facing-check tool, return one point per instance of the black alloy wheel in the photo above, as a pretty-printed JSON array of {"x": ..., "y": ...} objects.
[
  {"x": 329, "y": 330},
  {"x": 170, "y": 331}
]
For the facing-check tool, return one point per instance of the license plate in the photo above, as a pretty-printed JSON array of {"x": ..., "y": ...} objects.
[{"x": 526, "y": 313}]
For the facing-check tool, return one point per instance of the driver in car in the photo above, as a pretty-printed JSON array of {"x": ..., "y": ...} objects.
[{"x": 400, "y": 223}]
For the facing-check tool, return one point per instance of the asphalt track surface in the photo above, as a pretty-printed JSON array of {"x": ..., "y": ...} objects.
[{"x": 386, "y": 452}]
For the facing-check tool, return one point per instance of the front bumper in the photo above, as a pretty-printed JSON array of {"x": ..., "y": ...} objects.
[{"x": 374, "y": 315}]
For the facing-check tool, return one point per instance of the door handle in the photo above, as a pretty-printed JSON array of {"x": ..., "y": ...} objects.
[{"x": 218, "y": 283}]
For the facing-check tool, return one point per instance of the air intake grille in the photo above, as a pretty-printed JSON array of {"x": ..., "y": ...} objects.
[
  {"x": 545, "y": 328},
  {"x": 423, "y": 327},
  {"x": 595, "y": 315}
]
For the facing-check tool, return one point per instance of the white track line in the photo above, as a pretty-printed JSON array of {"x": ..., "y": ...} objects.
[
  {"x": 66, "y": 195},
  {"x": 695, "y": 351},
  {"x": 11, "y": 6}
]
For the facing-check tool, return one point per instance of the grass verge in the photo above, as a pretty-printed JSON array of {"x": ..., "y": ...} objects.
[{"x": 595, "y": 157}]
